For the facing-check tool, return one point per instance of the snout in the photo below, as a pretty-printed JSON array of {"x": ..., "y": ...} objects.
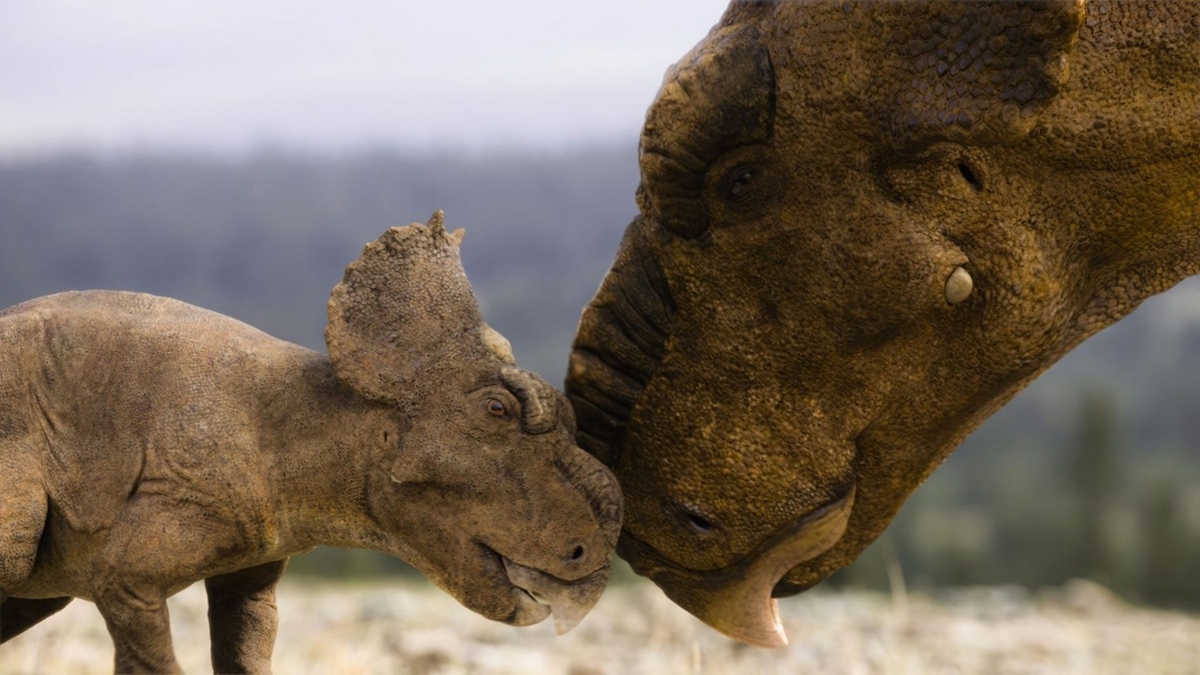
[
  {"x": 737, "y": 600},
  {"x": 587, "y": 540},
  {"x": 566, "y": 551},
  {"x": 565, "y": 584},
  {"x": 557, "y": 561}
]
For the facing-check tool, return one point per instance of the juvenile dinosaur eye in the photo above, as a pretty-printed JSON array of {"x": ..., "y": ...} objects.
[{"x": 495, "y": 407}]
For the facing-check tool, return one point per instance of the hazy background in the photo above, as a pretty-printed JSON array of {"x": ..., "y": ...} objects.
[
  {"x": 238, "y": 156},
  {"x": 223, "y": 75}
]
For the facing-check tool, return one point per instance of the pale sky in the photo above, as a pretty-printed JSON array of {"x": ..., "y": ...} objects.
[{"x": 227, "y": 75}]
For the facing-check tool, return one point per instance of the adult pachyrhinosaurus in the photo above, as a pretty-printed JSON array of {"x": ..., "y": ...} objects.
[{"x": 865, "y": 226}]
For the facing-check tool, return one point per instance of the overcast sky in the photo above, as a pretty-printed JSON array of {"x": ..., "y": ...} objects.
[{"x": 223, "y": 75}]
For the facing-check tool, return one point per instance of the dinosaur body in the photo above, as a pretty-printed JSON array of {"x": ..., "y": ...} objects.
[{"x": 148, "y": 444}]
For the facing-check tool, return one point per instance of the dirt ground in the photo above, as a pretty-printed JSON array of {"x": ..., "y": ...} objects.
[{"x": 404, "y": 627}]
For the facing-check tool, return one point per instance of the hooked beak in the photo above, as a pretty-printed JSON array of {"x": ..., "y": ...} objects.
[
  {"x": 568, "y": 601},
  {"x": 737, "y": 600}
]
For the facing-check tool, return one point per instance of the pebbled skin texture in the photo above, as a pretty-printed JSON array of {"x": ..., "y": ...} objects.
[
  {"x": 812, "y": 175},
  {"x": 146, "y": 444}
]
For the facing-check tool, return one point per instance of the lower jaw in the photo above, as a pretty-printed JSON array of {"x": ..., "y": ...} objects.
[
  {"x": 646, "y": 561},
  {"x": 528, "y": 611},
  {"x": 525, "y": 610}
]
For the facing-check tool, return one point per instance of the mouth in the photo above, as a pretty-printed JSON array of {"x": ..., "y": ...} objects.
[
  {"x": 538, "y": 594},
  {"x": 648, "y": 561},
  {"x": 737, "y": 600}
]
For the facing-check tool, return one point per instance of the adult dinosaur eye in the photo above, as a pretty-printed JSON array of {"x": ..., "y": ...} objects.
[
  {"x": 738, "y": 181},
  {"x": 969, "y": 175},
  {"x": 496, "y": 407}
]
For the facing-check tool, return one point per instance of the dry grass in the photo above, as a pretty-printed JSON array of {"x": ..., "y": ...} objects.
[{"x": 408, "y": 628}]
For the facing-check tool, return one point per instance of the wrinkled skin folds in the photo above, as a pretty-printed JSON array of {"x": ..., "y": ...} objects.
[
  {"x": 863, "y": 228},
  {"x": 146, "y": 444}
]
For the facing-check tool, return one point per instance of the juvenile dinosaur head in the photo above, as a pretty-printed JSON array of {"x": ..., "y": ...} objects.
[
  {"x": 483, "y": 484},
  {"x": 864, "y": 226}
]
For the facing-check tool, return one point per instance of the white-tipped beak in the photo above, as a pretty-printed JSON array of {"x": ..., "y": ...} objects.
[
  {"x": 569, "y": 602},
  {"x": 738, "y": 602}
]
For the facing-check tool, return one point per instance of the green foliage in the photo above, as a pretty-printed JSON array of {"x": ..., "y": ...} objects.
[
  {"x": 1082, "y": 500},
  {"x": 1093, "y": 471},
  {"x": 1094, "y": 474}
]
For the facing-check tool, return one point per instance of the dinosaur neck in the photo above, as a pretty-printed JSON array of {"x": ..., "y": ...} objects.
[
  {"x": 323, "y": 436},
  {"x": 1143, "y": 152}
]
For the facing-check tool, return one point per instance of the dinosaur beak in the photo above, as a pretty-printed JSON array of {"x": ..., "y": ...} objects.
[
  {"x": 737, "y": 601},
  {"x": 568, "y": 601}
]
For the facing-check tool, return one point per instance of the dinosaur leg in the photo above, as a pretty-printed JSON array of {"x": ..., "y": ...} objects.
[
  {"x": 22, "y": 518},
  {"x": 242, "y": 618},
  {"x": 159, "y": 543},
  {"x": 19, "y": 614}
]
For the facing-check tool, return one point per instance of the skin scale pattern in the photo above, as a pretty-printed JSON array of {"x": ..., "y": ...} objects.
[
  {"x": 787, "y": 319},
  {"x": 146, "y": 444}
]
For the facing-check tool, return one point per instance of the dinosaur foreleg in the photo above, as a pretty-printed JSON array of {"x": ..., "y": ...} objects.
[
  {"x": 158, "y": 544},
  {"x": 22, "y": 518},
  {"x": 137, "y": 620},
  {"x": 242, "y": 618}
]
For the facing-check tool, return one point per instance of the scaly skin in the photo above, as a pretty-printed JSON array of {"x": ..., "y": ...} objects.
[
  {"x": 780, "y": 324},
  {"x": 146, "y": 444}
]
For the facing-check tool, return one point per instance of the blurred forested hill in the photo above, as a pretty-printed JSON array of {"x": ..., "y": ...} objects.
[
  {"x": 1093, "y": 471},
  {"x": 264, "y": 239}
]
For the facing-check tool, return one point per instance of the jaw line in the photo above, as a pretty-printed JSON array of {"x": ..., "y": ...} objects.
[
  {"x": 630, "y": 543},
  {"x": 738, "y": 600},
  {"x": 564, "y": 618},
  {"x": 664, "y": 563},
  {"x": 567, "y": 601}
]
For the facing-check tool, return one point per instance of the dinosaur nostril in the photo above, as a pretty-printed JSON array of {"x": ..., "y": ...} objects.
[
  {"x": 696, "y": 522},
  {"x": 577, "y": 554}
]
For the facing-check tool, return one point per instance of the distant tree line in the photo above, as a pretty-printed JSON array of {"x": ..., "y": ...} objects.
[
  {"x": 1093, "y": 472},
  {"x": 1097, "y": 508}
]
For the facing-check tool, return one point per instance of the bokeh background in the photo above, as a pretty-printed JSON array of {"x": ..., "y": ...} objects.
[{"x": 237, "y": 155}]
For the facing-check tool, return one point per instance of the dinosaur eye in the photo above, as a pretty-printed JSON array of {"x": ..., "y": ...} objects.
[
  {"x": 969, "y": 176},
  {"x": 737, "y": 182},
  {"x": 496, "y": 407}
]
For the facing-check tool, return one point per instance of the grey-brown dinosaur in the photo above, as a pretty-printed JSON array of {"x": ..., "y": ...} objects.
[
  {"x": 864, "y": 226},
  {"x": 146, "y": 444}
]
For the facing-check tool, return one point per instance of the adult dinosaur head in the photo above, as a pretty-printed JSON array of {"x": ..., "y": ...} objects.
[{"x": 864, "y": 227}]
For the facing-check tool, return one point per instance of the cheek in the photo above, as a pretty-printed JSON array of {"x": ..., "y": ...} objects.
[
  {"x": 881, "y": 279},
  {"x": 746, "y": 448},
  {"x": 1024, "y": 315}
]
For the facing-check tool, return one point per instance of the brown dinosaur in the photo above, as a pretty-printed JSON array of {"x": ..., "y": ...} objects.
[
  {"x": 146, "y": 444},
  {"x": 865, "y": 226}
]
